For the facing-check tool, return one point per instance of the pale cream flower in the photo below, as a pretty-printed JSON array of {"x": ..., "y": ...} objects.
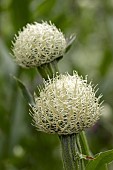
[
  {"x": 37, "y": 44},
  {"x": 66, "y": 105}
]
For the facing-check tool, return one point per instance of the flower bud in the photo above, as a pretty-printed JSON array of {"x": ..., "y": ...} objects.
[
  {"x": 66, "y": 105},
  {"x": 37, "y": 44}
]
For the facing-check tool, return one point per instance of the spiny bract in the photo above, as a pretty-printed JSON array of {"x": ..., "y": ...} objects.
[
  {"x": 37, "y": 44},
  {"x": 66, "y": 105}
]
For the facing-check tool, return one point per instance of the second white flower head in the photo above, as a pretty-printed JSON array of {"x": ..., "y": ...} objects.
[{"x": 37, "y": 44}]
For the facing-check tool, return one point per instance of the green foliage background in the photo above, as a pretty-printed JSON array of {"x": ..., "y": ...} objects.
[{"x": 21, "y": 146}]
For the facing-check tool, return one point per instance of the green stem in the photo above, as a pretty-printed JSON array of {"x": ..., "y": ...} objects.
[
  {"x": 49, "y": 69},
  {"x": 54, "y": 67},
  {"x": 82, "y": 163},
  {"x": 69, "y": 152},
  {"x": 84, "y": 144},
  {"x": 45, "y": 71}
]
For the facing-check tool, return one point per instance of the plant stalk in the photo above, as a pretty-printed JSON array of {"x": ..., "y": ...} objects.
[
  {"x": 69, "y": 152},
  {"x": 84, "y": 144},
  {"x": 48, "y": 70},
  {"x": 85, "y": 147}
]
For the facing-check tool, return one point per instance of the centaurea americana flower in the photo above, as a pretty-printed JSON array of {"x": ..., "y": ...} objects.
[
  {"x": 66, "y": 105},
  {"x": 38, "y": 44}
]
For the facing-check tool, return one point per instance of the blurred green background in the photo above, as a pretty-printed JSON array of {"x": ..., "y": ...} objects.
[{"x": 21, "y": 146}]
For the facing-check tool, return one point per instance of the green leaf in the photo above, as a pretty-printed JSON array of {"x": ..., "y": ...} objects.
[
  {"x": 70, "y": 41},
  {"x": 100, "y": 160},
  {"x": 27, "y": 95}
]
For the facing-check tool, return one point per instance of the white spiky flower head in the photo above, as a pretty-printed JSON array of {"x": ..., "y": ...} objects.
[
  {"x": 66, "y": 105},
  {"x": 37, "y": 44}
]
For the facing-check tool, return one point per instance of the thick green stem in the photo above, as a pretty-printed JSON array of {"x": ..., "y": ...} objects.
[
  {"x": 45, "y": 71},
  {"x": 54, "y": 67},
  {"x": 69, "y": 152},
  {"x": 49, "y": 69}
]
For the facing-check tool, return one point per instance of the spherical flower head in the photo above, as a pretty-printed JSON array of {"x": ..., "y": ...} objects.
[
  {"x": 66, "y": 105},
  {"x": 37, "y": 44}
]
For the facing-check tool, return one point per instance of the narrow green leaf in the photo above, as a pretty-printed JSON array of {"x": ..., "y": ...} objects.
[
  {"x": 27, "y": 95},
  {"x": 100, "y": 160},
  {"x": 70, "y": 41}
]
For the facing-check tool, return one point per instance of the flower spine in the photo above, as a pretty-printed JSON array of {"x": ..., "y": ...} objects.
[
  {"x": 66, "y": 105},
  {"x": 37, "y": 44}
]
